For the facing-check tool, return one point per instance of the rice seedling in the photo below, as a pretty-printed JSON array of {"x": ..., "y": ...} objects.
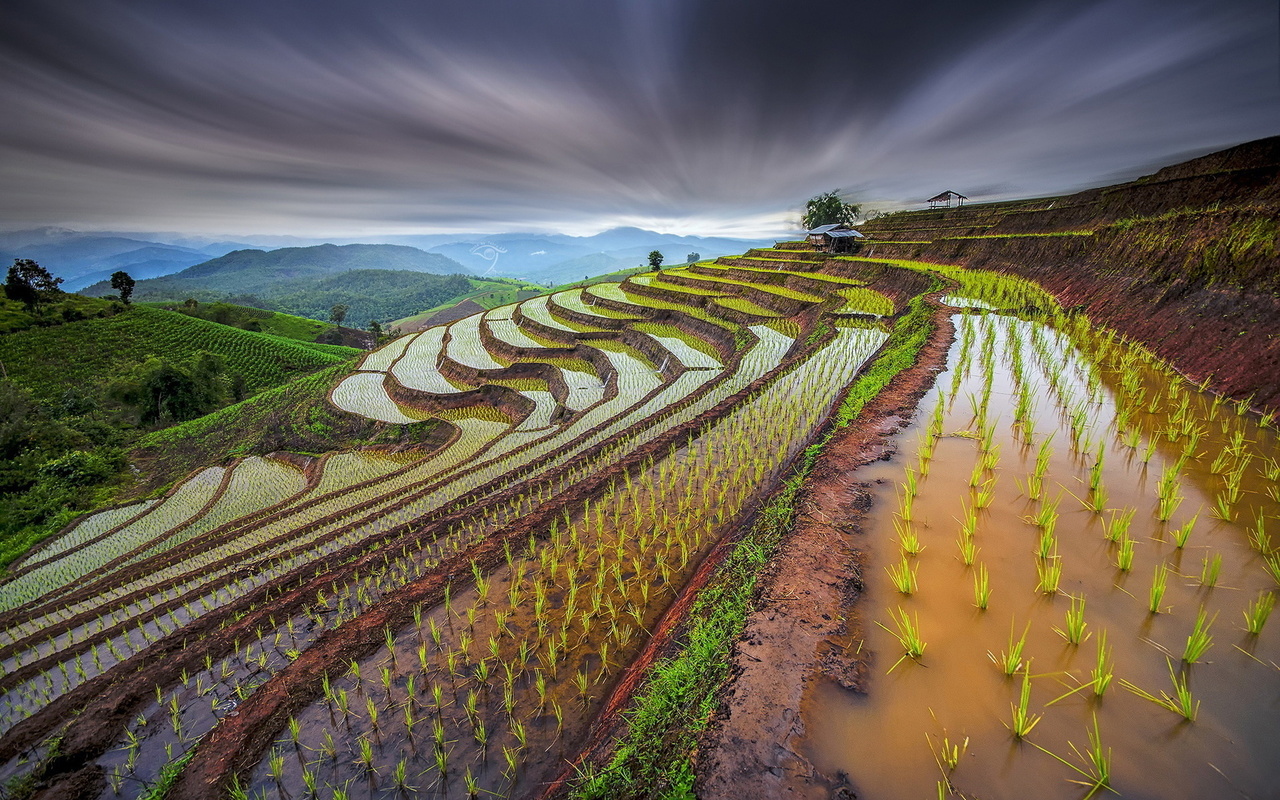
[
  {"x": 1198, "y": 641},
  {"x": 969, "y": 523},
  {"x": 1182, "y": 534},
  {"x": 1073, "y": 628},
  {"x": 1210, "y": 569},
  {"x": 968, "y": 549},
  {"x": 1103, "y": 667},
  {"x": 981, "y": 587},
  {"x": 1048, "y": 575},
  {"x": 908, "y": 635},
  {"x": 1158, "y": 583},
  {"x": 1258, "y": 539},
  {"x": 946, "y": 754},
  {"x": 903, "y": 575},
  {"x": 1124, "y": 554},
  {"x": 1181, "y": 702},
  {"x": 1117, "y": 527},
  {"x": 1255, "y": 616},
  {"x": 1170, "y": 498},
  {"x": 908, "y": 538},
  {"x": 985, "y": 495},
  {"x": 1048, "y": 544},
  {"x": 1023, "y": 721},
  {"x": 1010, "y": 660}
]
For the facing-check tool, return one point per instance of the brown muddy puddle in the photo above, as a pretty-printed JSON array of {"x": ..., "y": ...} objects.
[{"x": 888, "y": 743}]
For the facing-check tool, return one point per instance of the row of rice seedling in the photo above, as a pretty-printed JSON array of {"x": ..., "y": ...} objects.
[
  {"x": 364, "y": 394},
  {"x": 189, "y": 588},
  {"x": 85, "y": 530},
  {"x": 180, "y": 507},
  {"x": 861, "y": 300},
  {"x": 1034, "y": 602},
  {"x": 324, "y": 508},
  {"x": 727, "y": 467},
  {"x": 861, "y": 332}
]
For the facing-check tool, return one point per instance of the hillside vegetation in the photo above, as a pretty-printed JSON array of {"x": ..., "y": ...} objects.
[
  {"x": 84, "y": 378},
  {"x": 276, "y": 323},
  {"x": 88, "y": 353}
]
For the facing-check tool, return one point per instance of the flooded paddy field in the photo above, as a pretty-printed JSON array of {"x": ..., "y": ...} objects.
[{"x": 1071, "y": 563}]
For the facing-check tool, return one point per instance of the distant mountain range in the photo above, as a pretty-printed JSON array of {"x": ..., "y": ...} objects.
[
  {"x": 84, "y": 258},
  {"x": 375, "y": 281},
  {"x": 81, "y": 259}
]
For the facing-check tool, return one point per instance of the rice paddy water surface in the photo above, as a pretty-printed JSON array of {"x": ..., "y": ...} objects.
[{"x": 1093, "y": 544}]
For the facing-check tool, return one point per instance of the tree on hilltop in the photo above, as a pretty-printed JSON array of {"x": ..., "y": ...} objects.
[
  {"x": 123, "y": 283},
  {"x": 655, "y": 259},
  {"x": 829, "y": 209},
  {"x": 30, "y": 284},
  {"x": 338, "y": 313},
  {"x": 693, "y": 258}
]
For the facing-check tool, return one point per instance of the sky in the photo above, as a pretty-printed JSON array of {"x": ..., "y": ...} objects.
[{"x": 711, "y": 117}]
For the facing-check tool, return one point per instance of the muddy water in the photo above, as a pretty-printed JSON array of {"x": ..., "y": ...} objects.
[{"x": 885, "y": 740}]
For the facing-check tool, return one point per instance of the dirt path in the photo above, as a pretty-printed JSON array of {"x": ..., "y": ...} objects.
[{"x": 750, "y": 749}]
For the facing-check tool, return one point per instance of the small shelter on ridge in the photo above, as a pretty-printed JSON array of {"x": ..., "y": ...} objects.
[
  {"x": 835, "y": 238},
  {"x": 945, "y": 199}
]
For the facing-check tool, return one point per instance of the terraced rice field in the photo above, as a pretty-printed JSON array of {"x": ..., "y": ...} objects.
[
  {"x": 447, "y": 622},
  {"x": 460, "y": 622}
]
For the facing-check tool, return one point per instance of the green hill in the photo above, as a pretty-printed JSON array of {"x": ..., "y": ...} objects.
[
  {"x": 77, "y": 378},
  {"x": 376, "y": 282},
  {"x": 88, "y": 354},
  {"x": 277, "y": 323}
]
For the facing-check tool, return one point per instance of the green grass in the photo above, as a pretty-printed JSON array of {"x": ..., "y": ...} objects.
[
  {"x": 276, "y": 323},
  {"x": 88, "y": 353}
]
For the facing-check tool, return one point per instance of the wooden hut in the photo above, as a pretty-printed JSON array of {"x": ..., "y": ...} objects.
[
  {"x": 835, "y": 238},
  {"x": 944, "y": 199}
]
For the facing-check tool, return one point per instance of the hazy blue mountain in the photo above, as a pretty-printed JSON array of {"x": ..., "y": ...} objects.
[
  {"x": 555, "y": 257},
  {"x": 145, "y": 262},
  {"x": 254, "y": 271},
  {"x": 81, "y": 258},
  {"x": 583, "y": 266}
]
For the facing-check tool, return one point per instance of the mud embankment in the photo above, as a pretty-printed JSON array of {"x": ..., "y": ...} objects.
[{"x": 750, "y": 749}]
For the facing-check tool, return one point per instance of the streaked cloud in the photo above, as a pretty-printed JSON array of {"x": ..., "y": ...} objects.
[{"x": 330, "y": 117}]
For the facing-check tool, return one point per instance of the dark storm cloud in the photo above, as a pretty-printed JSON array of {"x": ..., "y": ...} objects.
[{"x": 328, "y": 116}]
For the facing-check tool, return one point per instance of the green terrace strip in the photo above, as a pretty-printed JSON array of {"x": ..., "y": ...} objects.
[
  {"x": 653, "y": 758},
  {"x": 1015, "y": 235}
]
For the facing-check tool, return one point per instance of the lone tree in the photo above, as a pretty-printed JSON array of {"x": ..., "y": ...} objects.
[
  {"x": 338, "y": 313},
  {"x": 693, "y": 258},
  {"x": 30, "y": 284},
  {"x": 829, "y": 209},
  {"x": 655, "y": 259},
  {"x": 123, "y": 283}
]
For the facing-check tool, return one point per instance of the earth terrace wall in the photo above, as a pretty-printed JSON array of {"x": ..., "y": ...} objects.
[{"x": 1176, "y": 283}]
